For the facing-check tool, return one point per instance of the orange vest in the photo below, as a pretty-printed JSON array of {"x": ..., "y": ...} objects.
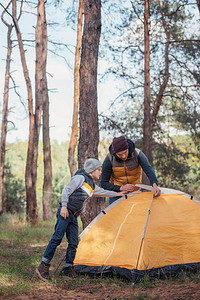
[{"x": 128, "y": 171}]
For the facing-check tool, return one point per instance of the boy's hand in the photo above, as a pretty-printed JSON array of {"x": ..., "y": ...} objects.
[
  {"x": 64, "y": 212},
  {"x": 121, "y": 194}
]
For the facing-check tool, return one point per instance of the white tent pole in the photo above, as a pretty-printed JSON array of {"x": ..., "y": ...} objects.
[{"x": 144, "y": 232}]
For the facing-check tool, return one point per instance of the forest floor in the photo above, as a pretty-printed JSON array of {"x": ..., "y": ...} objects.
[
  {"x": 103, "y": 290},
  {"x": 21, "y": 249}
]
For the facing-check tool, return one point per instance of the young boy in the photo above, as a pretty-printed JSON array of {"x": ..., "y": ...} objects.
[{"x": 73, "y": 200}]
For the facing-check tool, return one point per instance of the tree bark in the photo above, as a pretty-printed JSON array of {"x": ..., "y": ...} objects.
[
  {"x": 38, "y": 88},
  {"x": 147, "y": 131},
  {"x": 74, "y": 133},
  {"x": 198, "y": 5},
  {"x": 31, "y": 202},
  {"x": 88, "y": 115},
  {"x": 5, "y": 110},
  {"x": 47, "y": 185},
  {"x": 150, "y": 122}
]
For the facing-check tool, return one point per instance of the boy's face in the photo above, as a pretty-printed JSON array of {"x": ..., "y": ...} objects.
[{"x": 96, "y": 173}]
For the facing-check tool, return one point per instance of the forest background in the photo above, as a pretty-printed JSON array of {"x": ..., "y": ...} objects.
[{"x": 172, "y": 101}]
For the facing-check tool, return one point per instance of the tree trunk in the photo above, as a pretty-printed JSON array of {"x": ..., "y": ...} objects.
[
  {"x": 31, "y": 202},
  {"x": 47, "y": 185},
  {"x": 38, "y": 88},
  {"x": 150, "y": 117},
  {"x": 198, "y": 5},
  {"x": 163, "y": 86},
  {"x": 5, "y": 111},
  {"x": 74, "y": 133},
  {"x": 94, "y": 206},
  {"x": 88, "y": 115},
  {"x": 147, "y": 132}
]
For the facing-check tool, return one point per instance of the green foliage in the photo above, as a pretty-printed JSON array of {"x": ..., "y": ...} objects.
[
  {"x": 60, "y": 160},
  {"x": 14, "y": 192},
  {"x": 61, "y": 173},
  {"x": 57, "y": 188},
  {"x": 171, "y": 165},
  {"x": 176, "y": 163},
  {"x": 190, "y": 147},
  {"x": 16, "y": 231},
  {"x": 128, "y": 122},
  {"x": 145, "y": 281},
  {"x": 16, "y": 152}
]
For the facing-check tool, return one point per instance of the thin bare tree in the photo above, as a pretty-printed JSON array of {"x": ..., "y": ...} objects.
[
  {"x": 47, "y": 185},
  {"x": 151, "y": 108},
  {"x": 166, "y": 76},
  {"x": 5, "y": 107},
  {"x": 38, "y": 89},
  {"x": 147, "y": 132},
  {"x": 74, "y": 132},
  {"x": 31, "y": 202}
]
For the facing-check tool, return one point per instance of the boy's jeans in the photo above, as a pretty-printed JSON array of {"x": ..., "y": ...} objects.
[
  {"x": 70, "y": 227},
  {"x": 113, "y": 199}
]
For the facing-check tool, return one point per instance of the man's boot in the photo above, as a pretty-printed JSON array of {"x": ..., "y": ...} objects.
[{"x": 68, "y": 271}]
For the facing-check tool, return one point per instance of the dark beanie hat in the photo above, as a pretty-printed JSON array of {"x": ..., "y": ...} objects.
[{"x": 119, "y": 144}]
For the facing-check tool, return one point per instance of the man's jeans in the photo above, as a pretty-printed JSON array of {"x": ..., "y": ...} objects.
[{"x": 70, "y": 227}]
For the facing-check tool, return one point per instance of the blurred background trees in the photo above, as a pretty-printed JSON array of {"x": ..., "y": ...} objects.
[{"x": 149, "y": 51}]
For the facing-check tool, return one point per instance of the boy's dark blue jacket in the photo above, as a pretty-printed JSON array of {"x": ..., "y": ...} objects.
[
  {"x": 81, "y": 187},
  {"x": 78, "y": 198}
]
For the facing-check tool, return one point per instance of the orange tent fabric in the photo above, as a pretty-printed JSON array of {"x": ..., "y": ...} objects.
[{"x": 172, "y": 235}]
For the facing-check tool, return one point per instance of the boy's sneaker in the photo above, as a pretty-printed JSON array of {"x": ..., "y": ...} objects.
[
  {"x": 68, "y": 271},
  {"x": 43, "y": 271}
]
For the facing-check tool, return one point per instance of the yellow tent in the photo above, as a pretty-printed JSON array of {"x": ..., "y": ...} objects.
[{"x": 141, "y": 235}]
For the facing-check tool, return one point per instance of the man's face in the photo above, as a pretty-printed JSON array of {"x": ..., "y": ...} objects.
[
  {"x": 123, "y": 155},
  {"x": 96, "y": 173}
]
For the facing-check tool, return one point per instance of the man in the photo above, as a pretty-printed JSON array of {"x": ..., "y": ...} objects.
[
  {"x": 122, "y": 168},
  {"x": 74, "y": 197}
]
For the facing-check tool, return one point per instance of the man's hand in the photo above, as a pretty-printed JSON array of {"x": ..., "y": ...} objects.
[
  {"x": 127, "y": 188},
  {"x": 64, "y": 212},
  {"x": 156, "y": 190}
]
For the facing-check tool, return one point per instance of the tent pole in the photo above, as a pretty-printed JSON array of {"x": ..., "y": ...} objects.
[{"x": 144, "y": 232}]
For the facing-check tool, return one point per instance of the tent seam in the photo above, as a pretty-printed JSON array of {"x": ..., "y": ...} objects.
[{"x": 118, "y": 234}]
